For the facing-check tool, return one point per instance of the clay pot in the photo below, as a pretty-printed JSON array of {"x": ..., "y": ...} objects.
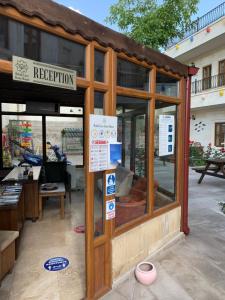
[{"x": 145, "y": 273}]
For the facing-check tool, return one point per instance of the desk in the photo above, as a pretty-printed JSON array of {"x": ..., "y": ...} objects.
[
  {"x": 59, "y": 192},
  {"x": 214, "y": 167},
  {"x": 30, "y": 189}
]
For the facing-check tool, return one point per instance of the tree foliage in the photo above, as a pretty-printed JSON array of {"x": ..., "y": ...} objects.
[{"x": 150, "y": 23}]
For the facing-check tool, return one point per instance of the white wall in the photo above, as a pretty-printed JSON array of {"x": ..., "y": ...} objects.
[
  {"x": 200, "y": 37},
  {"x": 208, "y": 117},
  {"x": 210, "y": 58},
  {"x": 208, "y": 99}
]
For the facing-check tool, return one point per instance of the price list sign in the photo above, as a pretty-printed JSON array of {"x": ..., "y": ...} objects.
[{"x": 103, "y": 132}]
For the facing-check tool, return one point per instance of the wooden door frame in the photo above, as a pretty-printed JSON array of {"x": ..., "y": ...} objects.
[{"x": 98, "y": 249}]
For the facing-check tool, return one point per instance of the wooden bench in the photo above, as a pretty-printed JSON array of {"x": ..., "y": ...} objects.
[
  {"x": 214, "y": 167},
  {"x": 7, "y": 251},
  {"x": 202, "y": 168}
]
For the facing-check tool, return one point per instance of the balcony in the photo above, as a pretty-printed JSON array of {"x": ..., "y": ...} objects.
[
  {"x": 200, "y": 23},
  {"x": 204, "y": 84}
]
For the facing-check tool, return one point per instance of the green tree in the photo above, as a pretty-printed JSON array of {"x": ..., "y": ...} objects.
[{"x": 150, "y": 23}]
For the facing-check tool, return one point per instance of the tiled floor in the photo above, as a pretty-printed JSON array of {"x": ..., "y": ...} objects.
[
  {"x": 50, "y": 237},
  {"x": 194, "y": 269}
]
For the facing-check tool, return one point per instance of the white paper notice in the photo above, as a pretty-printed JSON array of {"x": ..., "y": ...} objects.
[
  {"x": 166, "y": 135},
  {"x": 103, "y": 132}
]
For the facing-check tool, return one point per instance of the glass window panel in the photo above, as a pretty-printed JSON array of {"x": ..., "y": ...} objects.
[
  {"x": 164, "y": 162},
  {"x": 27, "y": 41},
  {"x": 132, "y": 76},
  {"x": 64, "y": 137},
  {"x": 3, "y": 32},
  {"x": 99, "y": 103},
  {"x": 98, "y": 204},
  {"x": 99, "y": 178},
  {"x": 31, "y": 43},
  {"x": 166, "y": 85},
  {"x": 13, "y": 107},
  {"x": 99, "y": 66},
  {"x": 131, "y": 175},
  {"x": 21, "y": 139}
]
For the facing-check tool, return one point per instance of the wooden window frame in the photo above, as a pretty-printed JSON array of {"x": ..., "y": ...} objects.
[
  {"x": 221, "y": 75},
  {"x": 40, "y": 26},
  {"x": 170, "y": 74},
  {"x": 111, "y": 90},
  {"x": 218, "y": 123},
  {"x": 138, "y": 63}
]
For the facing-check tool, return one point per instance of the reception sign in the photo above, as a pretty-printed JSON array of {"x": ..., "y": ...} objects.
[
  {"x": 31, "y": 71},
  {"x": 166, "y": 135}
]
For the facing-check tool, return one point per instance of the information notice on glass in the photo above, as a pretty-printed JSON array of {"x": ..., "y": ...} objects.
[
  {"x": 166, "y": 135},
  {"x": 103, "y": 133}
]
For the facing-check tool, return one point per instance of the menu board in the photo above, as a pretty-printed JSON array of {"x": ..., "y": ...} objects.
[
  {"x": 166, "y": 135},
  {"x": 103, "y": 133}
]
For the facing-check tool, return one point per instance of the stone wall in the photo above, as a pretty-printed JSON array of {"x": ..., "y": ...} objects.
[{"x": 139, "y": 243}]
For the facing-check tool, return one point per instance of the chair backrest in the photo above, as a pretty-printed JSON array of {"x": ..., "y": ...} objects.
[{"x": 55, "y": 171}]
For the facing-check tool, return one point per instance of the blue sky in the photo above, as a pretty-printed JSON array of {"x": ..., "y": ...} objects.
[{"x": 98, "y": 10}]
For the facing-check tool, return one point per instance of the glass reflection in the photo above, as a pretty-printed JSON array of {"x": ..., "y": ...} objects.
[{"x": 165, "y": 154}]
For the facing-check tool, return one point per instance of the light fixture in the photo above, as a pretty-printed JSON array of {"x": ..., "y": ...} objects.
[
  {"x": 208, "y": 29},
  {"x": 221, "y": 93},
  {"x": 177, "y": 47}
]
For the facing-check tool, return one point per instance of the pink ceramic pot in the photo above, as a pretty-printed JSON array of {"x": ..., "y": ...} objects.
[{"x": 145, "y": 273}]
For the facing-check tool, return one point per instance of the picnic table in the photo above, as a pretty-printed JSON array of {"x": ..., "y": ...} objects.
[{"x": 214, "y": 167}]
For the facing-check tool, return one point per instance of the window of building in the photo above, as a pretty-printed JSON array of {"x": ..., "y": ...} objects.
[
  {"x": 131, "y": 75},
  {"x": 21, "y": 139},
  {"x": 167, "y": 85},
  {"x": 99, "y": 177},
  {"x": 13, "y": 107},
  {"x": 27, "y": 41},
  {"x": 99, "y": 66},
  {"x": 131, "y": 174},
  {"x": 220, "y": 134},
  {"x": 3, "y": 33},
  {"x": 64, "y": 135},
  {"x": 206, "y": 77},
  {"x": 99, "y": 103},
  {"x": 31, "y": 43},
  {"x": 221, "y": 75},
  {"x": 165, "y": 154}
]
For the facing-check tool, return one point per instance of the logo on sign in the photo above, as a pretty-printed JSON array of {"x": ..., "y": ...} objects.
[
  {"x": 110, "y": 184},
  {"x": 56, "y": 264},
  {"x": 110, "y": 209}
]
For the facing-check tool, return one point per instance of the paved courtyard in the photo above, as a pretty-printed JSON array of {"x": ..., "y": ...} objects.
[{"x": 194, "y": 268}]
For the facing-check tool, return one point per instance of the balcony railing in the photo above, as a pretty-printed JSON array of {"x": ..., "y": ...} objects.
[
  {"x": 200, "y": 23},
  {"x": 212, "y": 82}
]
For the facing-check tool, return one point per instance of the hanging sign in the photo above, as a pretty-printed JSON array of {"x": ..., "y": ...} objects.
[
  {"x": 31, "y": 71},
  {"x": 110, "y": 184},
  {"x": 103, "y": 133},
  {"x": 56, "y": 264},
  {"x": 166, "y": 135},
  {"x": 110, "y": 209}
]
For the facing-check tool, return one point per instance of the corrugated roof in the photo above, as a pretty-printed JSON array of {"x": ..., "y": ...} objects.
[{"x": 75, "y": 23}]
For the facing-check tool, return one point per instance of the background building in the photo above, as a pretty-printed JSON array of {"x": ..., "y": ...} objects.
[{"x": 204, "y": 46}]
